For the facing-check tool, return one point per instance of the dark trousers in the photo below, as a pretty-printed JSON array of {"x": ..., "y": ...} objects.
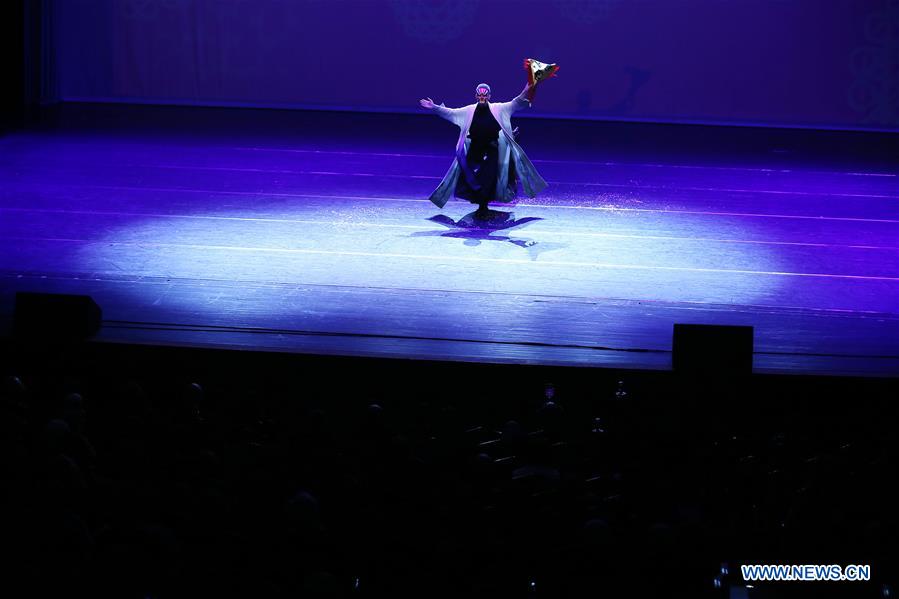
[{"x": 483, "y": 161}]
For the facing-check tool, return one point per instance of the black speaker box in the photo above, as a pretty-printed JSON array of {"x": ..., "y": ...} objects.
[
  {"x": 712, "y": 349},
  {"x": 49, "y": 316}
]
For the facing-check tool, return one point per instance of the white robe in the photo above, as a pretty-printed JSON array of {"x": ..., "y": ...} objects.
[{"x": 508, "y": 151}]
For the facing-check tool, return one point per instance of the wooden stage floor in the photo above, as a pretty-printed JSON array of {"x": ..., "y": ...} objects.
[{"x": 311, "y": 232}]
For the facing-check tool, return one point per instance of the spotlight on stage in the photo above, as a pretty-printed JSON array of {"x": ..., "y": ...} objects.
[
  {"x": 716, "y": 350},
  {"x": 41, "y": 317}
]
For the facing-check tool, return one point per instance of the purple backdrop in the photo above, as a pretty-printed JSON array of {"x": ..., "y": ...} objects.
[{"x": 824, "y": 63}]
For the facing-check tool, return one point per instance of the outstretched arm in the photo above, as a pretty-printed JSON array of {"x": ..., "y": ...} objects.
[
  {"x": 440, "y": 109},
  {"x": 521, "y": 100},
  {"x": 427, "y": 103}
]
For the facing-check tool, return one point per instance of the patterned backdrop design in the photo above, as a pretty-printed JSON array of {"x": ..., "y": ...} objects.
[
  {"x": 586, "y": 12},
  {"x": 814, "y": 63},
  {"x": 434, "y": 21},
  {"x": 875, "y": 91},
  {"x": 148, "y": 10}
]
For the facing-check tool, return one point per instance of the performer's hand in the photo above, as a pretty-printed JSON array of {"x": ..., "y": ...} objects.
[
  {"x": 528, "y": 91},
  {"x": 427, "y": 103}
]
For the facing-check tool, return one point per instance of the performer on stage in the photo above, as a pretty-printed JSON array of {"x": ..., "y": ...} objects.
[{"x": 488, "y": 160}]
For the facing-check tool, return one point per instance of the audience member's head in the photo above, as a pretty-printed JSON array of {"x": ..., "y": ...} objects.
[
  {"x": 512, "y": 432},
  {"x": 12, "y": 408},
  {"x": 56, "y": 437},
  {"x": 12, "y": 388},
  {"x": 303, "y": 512},
  {"x": 551, "y": 418},
  {"x": 191, "y": 396},
  {"x": 72, "y": 411}
]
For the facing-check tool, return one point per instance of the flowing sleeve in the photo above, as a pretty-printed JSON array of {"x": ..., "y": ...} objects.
[
  {"x": 520, "y": 101},
  {"x": 453, "y": 115}
]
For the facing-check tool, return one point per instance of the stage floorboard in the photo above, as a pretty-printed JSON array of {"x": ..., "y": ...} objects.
[{"x": 301, "y": 235}]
